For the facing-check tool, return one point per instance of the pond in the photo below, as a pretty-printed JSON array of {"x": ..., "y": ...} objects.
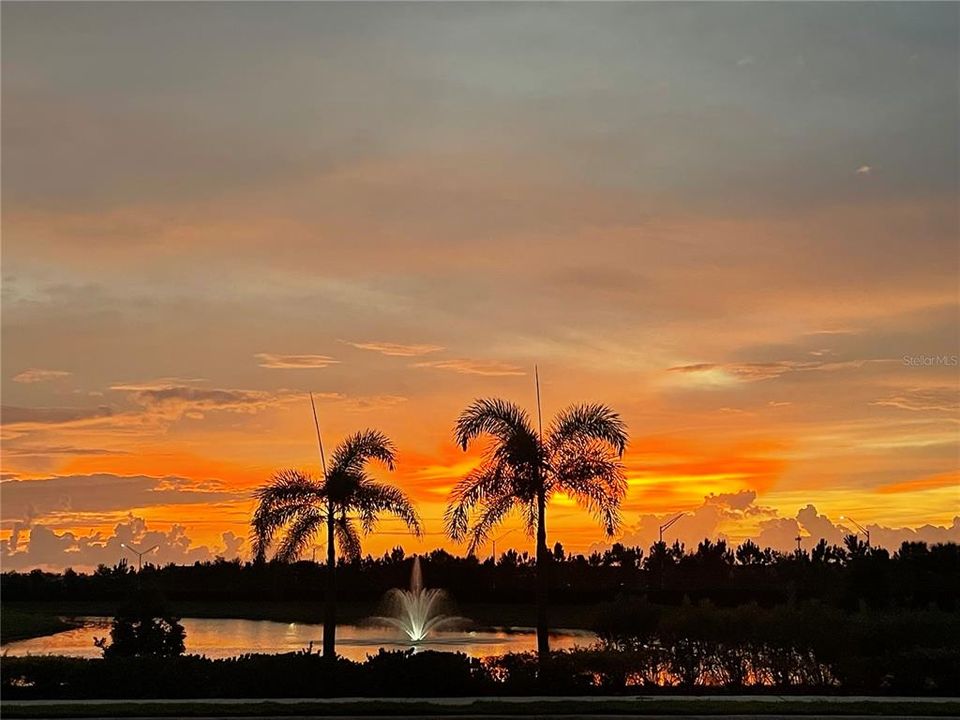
[{"x": 228, "y": 637}]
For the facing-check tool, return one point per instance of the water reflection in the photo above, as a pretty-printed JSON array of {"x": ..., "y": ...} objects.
[{"x": 226, "y": 637}]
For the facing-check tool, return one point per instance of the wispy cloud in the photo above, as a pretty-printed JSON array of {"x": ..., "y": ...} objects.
[
  {"x": 374, "y": 402},
  {"x": 294, "y": 362},
  {"x": 947, "y": 479},
  {"x": 105, "y": 492},
  {"x": 944, "y": 399},
  {"x": 67, "y": 450},
  {"x": 396, "y": 349},
  {"x": 36, "y": 375},
  {"x": 464, "y": 366},
  {"x": 13, "y": 415},
  {"x": 175, "y": 401},
  {"x": 747, "y": 371}
]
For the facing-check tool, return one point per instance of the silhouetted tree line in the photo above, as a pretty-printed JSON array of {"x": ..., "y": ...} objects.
[{"x": 845, "y": 577}]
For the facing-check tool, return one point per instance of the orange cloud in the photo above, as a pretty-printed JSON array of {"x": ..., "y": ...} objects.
[
  {"x": 35, "y": 375},
  {"x": 947, "y": 479},
  {"x": 396, "y": 349},
  {"x": 700, "y": 467},
  {"x": 294, "y": 362},
  {"x": 464, "y": 366},
  {"x": 429, "y": 475},
  {"x": 162, "y": 464}
]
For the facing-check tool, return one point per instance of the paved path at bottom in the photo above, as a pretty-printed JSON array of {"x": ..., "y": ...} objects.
[
  {"x": 697, "y": 707},
  {"x": 518, "y": 717},
  {"x": 505, "y": 699}
]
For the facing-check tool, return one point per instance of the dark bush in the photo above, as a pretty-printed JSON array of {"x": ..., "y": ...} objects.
[{"x": 144, "y": 626}]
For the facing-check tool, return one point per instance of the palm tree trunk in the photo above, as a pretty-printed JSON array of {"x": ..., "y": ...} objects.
[
  {"x": 330, "y": 608},
  {"x": 543, "y": 582}
]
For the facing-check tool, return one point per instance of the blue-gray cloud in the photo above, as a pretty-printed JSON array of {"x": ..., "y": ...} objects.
[
  {"x": 103, "y": 493},
  {"x": 643, "y": 98}
]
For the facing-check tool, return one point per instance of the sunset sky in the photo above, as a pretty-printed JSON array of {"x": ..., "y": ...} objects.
[{"x": 737, "y": 224}]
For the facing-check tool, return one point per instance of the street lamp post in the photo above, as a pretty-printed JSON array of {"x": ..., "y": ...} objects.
[
  {"x": 860, "y": 527},
  {"x": 139, "y": 554},
  {"x": 666, "y": 525},
  {"x": 500, "y": 537},
  {"x": 663, "y": 549}
]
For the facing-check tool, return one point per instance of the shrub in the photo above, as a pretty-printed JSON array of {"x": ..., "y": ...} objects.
[{"x": 144, "y": 626}]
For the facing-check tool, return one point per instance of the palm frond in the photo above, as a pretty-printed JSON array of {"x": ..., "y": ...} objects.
[
  {"x": 347, "y": 538},
  {"x": 372, "y": 498},
  {"x": 593, "y": 475},
  {"x": 500, "y": 418},
  {"x": 286, "y": 486},
  {"x": 481, "y": 482},
  {"x": 507, "y": 475},
  {"x": 592, "y": 421},
  {"x": 530, "y": 512},
  {"x": 299, "y": 534},
  {"x": 523, "y": 455},
  {"x": 492, "y": 513},
  {"x": 267, "y": 523},
  {"x": 356, "y": 450},
  {"x": 288, "y": 495}
]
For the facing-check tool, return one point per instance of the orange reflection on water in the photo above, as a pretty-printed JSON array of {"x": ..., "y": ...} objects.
[{"x": 228, "y": 637}]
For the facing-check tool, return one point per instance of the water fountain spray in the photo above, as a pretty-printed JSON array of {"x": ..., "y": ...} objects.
[{"x": 417, "y": 611}]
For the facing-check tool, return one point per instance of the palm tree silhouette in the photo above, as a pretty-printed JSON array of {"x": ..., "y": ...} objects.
[
  {"x": 294, "y": 507},
  {"x": 522, "y": 468}
]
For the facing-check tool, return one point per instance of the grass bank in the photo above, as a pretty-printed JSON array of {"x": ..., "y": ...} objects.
[
  {"x": 18, "y": 624},
  {"x": 534, "y": 707}
]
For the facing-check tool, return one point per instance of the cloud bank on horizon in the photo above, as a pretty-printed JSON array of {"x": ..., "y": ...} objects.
[
  {"x": 736, "y": 224},
  {"x": 722, "y": 517}
]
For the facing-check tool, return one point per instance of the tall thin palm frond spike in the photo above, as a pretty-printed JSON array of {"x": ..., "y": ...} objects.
[{"x": 316, "y": 423}]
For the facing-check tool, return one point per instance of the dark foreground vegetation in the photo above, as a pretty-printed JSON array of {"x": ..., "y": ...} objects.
[
  {"x": 844, "y": 620},
  {"x": 800, "y": 648},
  {"x": 846, "y": 577}
]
